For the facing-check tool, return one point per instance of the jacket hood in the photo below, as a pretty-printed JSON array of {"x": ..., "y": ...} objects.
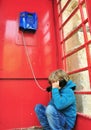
[{"x": 70, "y": 84}]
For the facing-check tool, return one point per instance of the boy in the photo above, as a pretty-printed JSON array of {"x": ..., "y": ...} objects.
[{"x": 60, "y": 113}]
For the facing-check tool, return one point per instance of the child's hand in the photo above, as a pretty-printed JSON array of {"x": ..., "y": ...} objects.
[{"x": 55, "y": 84}]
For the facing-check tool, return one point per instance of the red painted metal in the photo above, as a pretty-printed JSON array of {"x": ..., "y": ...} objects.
[
  {"x": 83, "y": 92},
  {"x": 18, "y": 99},
  {"x": 83, "y": 122},
  {"x": 88, "y": 5},
  {"x": 56, "y": 18},
  {"x": 42, "y": 47},
  {"x": 18, "y": 90}
]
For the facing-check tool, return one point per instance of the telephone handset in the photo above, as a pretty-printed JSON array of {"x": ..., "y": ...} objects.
[{"x": 62, "y": 83}]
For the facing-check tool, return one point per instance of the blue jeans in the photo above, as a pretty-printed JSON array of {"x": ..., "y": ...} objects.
[{"x": 50, "y": 118}]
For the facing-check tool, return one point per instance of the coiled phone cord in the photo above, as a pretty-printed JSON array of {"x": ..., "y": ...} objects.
[{"x": 30, "y": 64}]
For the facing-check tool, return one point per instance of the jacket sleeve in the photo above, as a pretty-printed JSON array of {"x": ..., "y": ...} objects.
[{"x": 63, "y": 100}]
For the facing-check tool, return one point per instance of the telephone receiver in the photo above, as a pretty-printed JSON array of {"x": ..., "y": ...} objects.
[{"x": 62, "y": 83}]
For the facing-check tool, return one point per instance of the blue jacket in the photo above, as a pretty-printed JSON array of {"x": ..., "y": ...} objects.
[{"x": 64, "y": 101}]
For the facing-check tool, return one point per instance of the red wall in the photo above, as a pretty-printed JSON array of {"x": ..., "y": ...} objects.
[{"x": 18, "y": 90}]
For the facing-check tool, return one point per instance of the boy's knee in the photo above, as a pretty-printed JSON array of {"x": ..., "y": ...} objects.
[
  {"x": 39, "y": 108},
  {"x": 50, "y": 110}
]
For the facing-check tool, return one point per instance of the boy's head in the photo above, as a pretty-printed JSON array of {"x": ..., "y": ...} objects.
[{"x": 57, "y": 76}]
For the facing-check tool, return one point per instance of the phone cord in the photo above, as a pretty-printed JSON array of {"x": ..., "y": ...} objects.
[{"x": 30, "y": 64}]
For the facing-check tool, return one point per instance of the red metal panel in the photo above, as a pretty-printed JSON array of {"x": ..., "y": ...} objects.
[
  {"x": 56, "y": 18},
  {"x": 17, "y": 101},
  {"x": 83, "y": 122},
  {"x": 88, "y": 7},
  {"x": 42, "y": 48},
  {"x": 18, "y": 94}
]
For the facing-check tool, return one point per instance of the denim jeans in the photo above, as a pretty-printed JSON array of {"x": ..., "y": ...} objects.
[{"x": 50, "y": 118}]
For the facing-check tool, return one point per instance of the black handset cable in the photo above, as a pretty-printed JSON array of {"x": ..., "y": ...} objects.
[{"x": 30, "y": 64}]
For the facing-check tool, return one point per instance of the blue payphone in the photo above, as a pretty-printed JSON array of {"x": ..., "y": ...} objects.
[{"x": 28, "y": 22}]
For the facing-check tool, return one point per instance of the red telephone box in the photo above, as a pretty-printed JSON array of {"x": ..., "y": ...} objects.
[{"x": 62, "y": 40}]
